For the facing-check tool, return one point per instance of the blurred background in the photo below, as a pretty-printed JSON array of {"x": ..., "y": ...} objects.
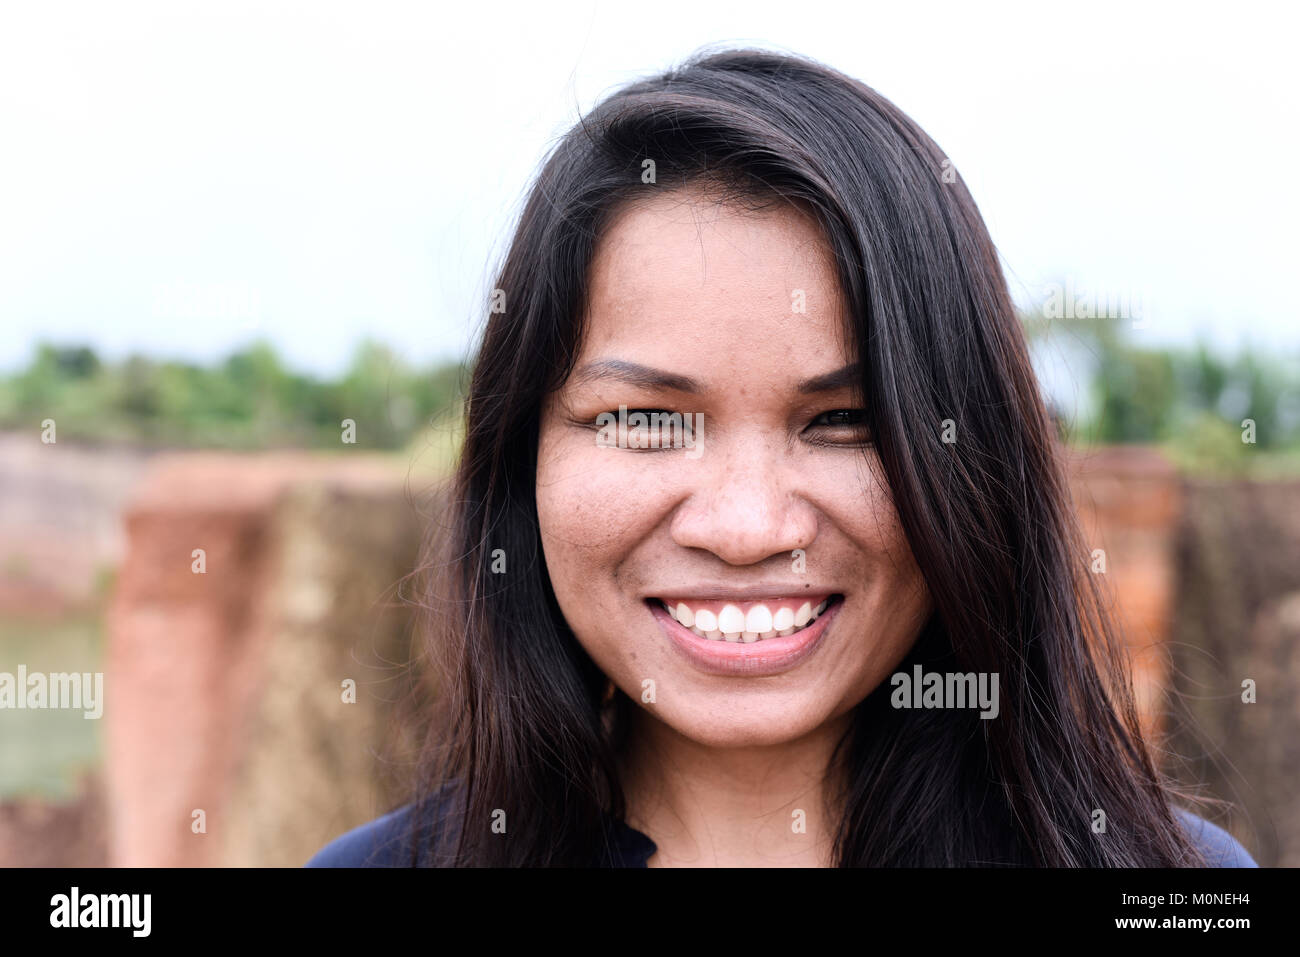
[{"x": 227, "y": 232}]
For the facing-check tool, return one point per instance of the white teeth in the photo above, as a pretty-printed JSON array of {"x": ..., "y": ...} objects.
[
  {"x": 758, "y": 620},
  {"x": 731, "y": 621},
  {"x": 731, "y": 624}
]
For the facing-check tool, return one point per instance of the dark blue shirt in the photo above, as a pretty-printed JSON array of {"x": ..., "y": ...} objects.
[{"x": 385, "y": 842}]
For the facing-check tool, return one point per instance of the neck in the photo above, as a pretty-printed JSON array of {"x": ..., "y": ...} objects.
[{"x": 749, "y": 806}]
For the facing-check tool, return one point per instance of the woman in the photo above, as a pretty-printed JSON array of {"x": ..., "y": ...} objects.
[{"x": 761, "y": 551}]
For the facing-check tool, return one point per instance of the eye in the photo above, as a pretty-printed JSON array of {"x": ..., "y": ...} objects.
[
  {"x": 851, "y": 423},
  {"x": 842, "y": 417},
  {"x": 645, "y": 429}
]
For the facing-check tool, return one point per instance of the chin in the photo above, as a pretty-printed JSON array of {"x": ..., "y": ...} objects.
[{"x": 761, "y": 724}]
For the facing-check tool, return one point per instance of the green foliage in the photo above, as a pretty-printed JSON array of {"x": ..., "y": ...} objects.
[
  {"x": 1136, "y": 395},
  {"x": 1193, "y": 402},
  {"x": 248, "y": 401}
]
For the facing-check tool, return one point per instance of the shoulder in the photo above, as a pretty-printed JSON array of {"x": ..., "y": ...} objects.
[
  {"x": 383, "y": 842},
  {"x": 1220, "y": 848},
  {"x": 387, "y": 841}
]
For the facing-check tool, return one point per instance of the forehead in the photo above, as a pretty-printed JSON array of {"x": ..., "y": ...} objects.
[{"x": 686, "y": 266}]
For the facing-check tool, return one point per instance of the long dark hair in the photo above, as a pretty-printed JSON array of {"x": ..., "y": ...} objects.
[{"x": 523, "y": 724}]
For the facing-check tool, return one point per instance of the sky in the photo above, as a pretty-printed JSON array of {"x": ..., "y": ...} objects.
[{"x": 179, "y": 178}]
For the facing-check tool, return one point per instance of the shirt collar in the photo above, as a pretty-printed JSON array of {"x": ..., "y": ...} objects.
[{"x": 627, "y": 846}]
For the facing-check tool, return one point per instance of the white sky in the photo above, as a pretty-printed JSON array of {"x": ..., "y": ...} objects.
[{"x": 177, "y": 177}]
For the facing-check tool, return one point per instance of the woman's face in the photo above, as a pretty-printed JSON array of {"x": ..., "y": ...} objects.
[{"x": 780, "y": 505}]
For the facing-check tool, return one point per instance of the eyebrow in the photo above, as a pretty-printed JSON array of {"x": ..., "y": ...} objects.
[{"x": 633, "y": 373}]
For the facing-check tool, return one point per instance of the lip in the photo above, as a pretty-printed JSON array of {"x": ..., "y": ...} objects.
[
  {"x": 771, "y": 656},
  {"x": 753, "y": 593}
]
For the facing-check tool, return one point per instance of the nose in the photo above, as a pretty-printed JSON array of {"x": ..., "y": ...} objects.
[{"x": 747, "y": 504}]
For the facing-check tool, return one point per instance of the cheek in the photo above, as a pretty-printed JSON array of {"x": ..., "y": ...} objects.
[
  {"x": 565, "y": 513},
  {"x": 894, "y": 601},
  {"x": 588, "y": 508},
  {"x": 593, "y": 508},
  {"x": 871, "y": 521}
]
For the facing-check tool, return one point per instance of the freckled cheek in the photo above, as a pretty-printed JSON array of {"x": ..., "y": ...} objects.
[
  {"x": 594, "y": 507},
  {"x": 871, "y": 521},
  {"x": 594, "y": 494},
  {"x": 593, "y": 512}
]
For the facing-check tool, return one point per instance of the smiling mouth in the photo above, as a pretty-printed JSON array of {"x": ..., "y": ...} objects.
[{"x": 748, "y": 621}]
